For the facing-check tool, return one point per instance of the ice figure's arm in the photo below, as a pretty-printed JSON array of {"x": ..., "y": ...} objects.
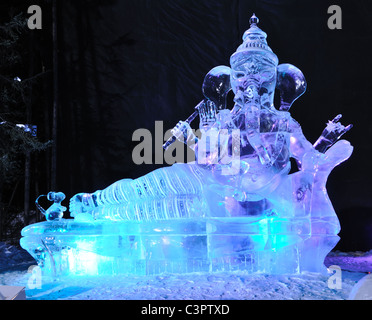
[
  {"x": 299, "y": 145},
  {"x": 309, "y": 157}
]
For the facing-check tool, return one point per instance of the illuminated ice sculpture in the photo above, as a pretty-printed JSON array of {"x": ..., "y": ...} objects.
[{"x": 235, "y": 208}]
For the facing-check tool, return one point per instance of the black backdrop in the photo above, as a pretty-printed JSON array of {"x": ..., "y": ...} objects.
[{"x": 125, "y": 64}]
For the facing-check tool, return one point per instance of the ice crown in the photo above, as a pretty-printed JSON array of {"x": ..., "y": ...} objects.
[{"x": 254, "y": 39}]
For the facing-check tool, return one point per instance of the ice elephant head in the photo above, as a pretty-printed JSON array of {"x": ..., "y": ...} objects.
[
  {"x": 254, "y": 68},
  {"x": 255, "y": 73}
]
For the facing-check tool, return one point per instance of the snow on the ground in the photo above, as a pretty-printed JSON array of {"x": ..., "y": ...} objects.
[
  {"x": 14, "y": 265},
  {"x": 13, "y": 258}
]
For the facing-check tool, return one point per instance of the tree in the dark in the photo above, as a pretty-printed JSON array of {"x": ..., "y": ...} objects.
[{"x": 19, "y": 82}]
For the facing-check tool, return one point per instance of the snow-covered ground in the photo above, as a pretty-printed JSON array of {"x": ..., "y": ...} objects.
[{"x": 14, "y": 264}]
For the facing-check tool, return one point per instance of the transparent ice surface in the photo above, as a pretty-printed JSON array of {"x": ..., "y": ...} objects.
[{"x": 235, "y": 207}]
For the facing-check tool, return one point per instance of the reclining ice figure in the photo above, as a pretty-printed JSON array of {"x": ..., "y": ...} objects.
[{"x": 242, "y": 169}]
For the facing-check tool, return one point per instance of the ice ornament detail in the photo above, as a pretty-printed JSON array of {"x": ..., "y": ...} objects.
[{"x": 202, "y": 216}]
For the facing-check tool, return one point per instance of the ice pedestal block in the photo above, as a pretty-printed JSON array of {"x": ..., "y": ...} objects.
[{"x": 269, "y": 245}]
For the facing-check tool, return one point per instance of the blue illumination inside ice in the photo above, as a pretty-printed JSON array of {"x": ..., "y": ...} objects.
[{"x": 235, "y": 208}]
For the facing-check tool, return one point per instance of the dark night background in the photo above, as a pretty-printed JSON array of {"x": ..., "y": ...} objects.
[{"x": 124, "y": 64}]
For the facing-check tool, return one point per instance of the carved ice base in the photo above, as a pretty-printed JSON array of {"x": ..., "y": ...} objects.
[{"x": 269, "y": 245}]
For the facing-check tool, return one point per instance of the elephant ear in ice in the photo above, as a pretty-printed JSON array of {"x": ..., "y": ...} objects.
[
  {"x": 217, "y": 85},
  {"x": 291, "y": 84}
]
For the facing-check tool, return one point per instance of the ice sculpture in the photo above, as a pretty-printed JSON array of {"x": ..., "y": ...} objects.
[
  {"x": 236, "y": 207},
  {"x": 56, "y": 210}
]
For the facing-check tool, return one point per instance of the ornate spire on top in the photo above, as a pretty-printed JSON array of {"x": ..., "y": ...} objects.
[
  {"x": 254, "y": 40},
  {"x": 254, "y": 20}
]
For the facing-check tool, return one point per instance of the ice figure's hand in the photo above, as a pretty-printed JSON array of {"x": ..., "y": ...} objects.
[
  {"x": 335, "y": 130},
  {"x": 183, "y": 132},
  {"x": 207, "y": 113},
  {"x": 225, "y": 120}
]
